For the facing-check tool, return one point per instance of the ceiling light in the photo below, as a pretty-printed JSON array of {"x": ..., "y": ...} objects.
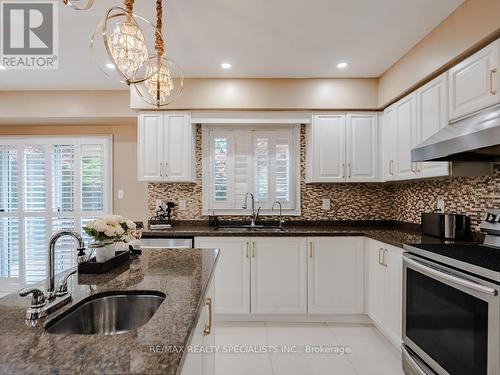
[
  {"x": 226, "y": 65},
  {"x": 342, "y": 65}
]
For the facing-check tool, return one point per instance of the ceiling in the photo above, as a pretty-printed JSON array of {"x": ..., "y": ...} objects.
[{"x": 260, "y": 38}]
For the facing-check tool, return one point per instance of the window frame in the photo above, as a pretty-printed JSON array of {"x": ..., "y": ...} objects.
[
  {"x": 13, "y": 283},
  {"x": 294, "y": 209}
]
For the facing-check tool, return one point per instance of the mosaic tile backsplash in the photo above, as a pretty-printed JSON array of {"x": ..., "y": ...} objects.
[{"x": 397, "y": 201}]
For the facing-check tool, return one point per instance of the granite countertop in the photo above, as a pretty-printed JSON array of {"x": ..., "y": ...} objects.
[
  {"x": 389, "y": 232},
  {"x": 182, "y": 275}
]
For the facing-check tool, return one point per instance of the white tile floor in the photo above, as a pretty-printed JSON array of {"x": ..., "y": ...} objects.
[{"x": 370, "y": 353}]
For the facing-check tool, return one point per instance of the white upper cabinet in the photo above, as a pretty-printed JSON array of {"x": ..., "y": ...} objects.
[
  {"x": 166, "y": 150},
  {"x": 406, "y": 137},
  {"x": 326, "y": 140},
  {"x": 474, "y": 83},
  {"x": 388, "y": 143},
  {"x": 362, "y": 147},
  {"x": 150, "y": 147},
  {"x": 343, "y": 148},
  {"x": 432, "y": 116}
]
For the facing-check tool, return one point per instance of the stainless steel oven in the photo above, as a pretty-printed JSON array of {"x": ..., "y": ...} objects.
[{"x": 451, "y": 320}]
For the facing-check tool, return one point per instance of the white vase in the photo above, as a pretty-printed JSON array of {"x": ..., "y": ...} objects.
[
  {"x": 105, "y": 252},
  {"x": 110, "y": 250}
]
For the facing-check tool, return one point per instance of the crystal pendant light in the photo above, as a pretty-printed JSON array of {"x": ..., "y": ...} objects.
[
  {"x": 119, "y": 46},
  {"x": 166, "y": 81},
  {"x": 79, "y": 4}
]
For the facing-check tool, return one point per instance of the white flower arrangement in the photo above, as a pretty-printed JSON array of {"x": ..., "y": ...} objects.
[{"x": 109, "y": 228}]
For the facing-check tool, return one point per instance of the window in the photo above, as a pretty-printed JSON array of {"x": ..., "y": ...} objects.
[
  {"x": 46, "y": 185},
  {"x": 260, "y": 160}
]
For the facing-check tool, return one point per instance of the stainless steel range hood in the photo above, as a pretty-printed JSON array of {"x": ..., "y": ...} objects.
[{"x": 474, "y": 138}]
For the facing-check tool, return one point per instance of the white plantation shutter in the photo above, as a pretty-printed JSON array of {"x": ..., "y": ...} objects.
[
  {"x": 61, "y": 183},
  {"x": 247, "y": 159}
]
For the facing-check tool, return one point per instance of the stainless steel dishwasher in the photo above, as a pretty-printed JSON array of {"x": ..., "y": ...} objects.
[{"x": 167, "y": 242}]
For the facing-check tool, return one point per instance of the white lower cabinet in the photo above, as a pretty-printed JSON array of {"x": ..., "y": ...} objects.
[
  {"x": 335, "y": 277},
  {"x": 232, "y": 274},
  {"x": 385, "y": 288},
  {"x": 202, "y": 362},
  {"x": 278, "y": 275}
]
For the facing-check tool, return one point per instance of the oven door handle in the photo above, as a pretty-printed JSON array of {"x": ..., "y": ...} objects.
[
  {"x": 417, "y": 370},
  {"x": 452, "y": 278}
]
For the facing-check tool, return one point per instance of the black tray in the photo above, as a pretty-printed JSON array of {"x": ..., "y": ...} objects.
[{"x": 93, "y": 267}]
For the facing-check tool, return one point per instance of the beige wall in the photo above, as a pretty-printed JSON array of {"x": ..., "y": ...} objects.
[
  {"x": 281, "y": 94},
  {"x": 134, "y": 204},
  {"x": 470, "y": 26}
]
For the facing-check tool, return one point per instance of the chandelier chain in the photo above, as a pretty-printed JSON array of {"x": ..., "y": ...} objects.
[
  {"x": 129, "y": 6},
  {"x": 160, "y": 48}
]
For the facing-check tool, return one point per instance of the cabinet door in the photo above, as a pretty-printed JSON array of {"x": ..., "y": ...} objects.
[
  {"x": 362, "y": 151},
  {"x": 232, "y": 274},
  {"x": 376, "y": 282},
  {"x": 474, "y": 83},
  {"x": 432, "y": 116},
  {"x": 328, "y": 137},
  {"x": 150, "y": 147},
  {"x": 388, "y": 146},
  {"x": 178, "y": 154},
  {"x": 406, "y": 139},
  {"x": 335, "y": 277},
  {"x": 195, "y": 363},
  {"x": 394, "y": 291},
  {"x": 279, "y": 283}
]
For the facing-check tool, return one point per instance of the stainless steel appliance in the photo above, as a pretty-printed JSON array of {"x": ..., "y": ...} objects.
[
  {"x": 451, "y": 306},
  {"x": 449, "y": 226},
  {"x": 167, "y": 242},
  {"x": 474, "y": 138}
]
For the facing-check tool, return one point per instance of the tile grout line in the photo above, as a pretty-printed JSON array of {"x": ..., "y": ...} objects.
[{"x": 340, "y": 343}]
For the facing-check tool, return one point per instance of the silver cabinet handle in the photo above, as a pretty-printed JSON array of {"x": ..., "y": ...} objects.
[
  {"x": 343, "y": 170},
  {"x": 310, "y": 249},
  {"x": 391, "y": 167},
  {"x": 248, "y": 249},
  {"x": 384, "y": 257},
  {"x": 450, "y": 277},
  {"x": 380, "y": 256},
  {"x": 253, "y": 249},
  {"x": 348, "y": 170},
  {"x": 492, "y": 90},
  {"x": 161, "y": 169},
  {"x": 166, "y": 169}
]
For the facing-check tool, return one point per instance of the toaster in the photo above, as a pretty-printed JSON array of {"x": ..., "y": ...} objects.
[{"x": 448, "y": 226}]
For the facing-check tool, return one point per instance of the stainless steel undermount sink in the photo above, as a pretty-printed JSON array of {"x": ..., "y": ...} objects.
[
  {"x": 108, "y": 314},
  {"x": 245, "y": 227}
]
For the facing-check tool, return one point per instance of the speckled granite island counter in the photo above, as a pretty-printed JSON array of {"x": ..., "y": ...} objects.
[{"x": 182, "y": 275}]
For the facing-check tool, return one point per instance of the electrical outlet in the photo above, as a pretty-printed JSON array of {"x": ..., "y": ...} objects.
[
  {"x": 182, "y": 205},
  {"x": 120, "y": 194},
  {"x": 440, "y": 205},
  {"x": 325, "y": 204}
]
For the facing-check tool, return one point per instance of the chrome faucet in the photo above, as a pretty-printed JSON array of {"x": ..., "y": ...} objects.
[
  {"x": 50, "y": 286},
  {"x": 281, "y": 220},
  {"x": 255, "y": 213},
  {"x": 43, "y": 304}
]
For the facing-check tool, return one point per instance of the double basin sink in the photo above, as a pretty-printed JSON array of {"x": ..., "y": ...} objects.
[
  {"x": 246, "y": 227},
  {"x": 107, "y": 314}
]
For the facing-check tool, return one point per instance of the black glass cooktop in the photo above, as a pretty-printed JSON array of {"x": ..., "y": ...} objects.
[{"x": 475, "y": 254}]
